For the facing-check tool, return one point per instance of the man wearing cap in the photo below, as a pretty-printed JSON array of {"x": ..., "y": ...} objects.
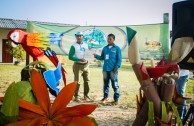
[{"x": 80, "y": 66}]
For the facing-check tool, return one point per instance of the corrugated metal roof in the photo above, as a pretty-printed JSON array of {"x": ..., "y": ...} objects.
[
  {"x": 21, "y": 24},
  {"x": 11, "y": 23}
]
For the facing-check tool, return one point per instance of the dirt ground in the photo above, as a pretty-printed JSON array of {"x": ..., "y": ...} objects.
[
  {"x": 106, "y": 114},
  {"x": 111, "y": 115}
]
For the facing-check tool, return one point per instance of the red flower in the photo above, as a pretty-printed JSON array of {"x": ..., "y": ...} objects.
[{"x": 57, "y": 114}]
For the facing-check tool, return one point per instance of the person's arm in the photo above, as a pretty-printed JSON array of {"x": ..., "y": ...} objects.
[
  {"x": 100, "y": 57},
  {"x": 119, "y": 59},
  {"x": 71, "y": 54}
]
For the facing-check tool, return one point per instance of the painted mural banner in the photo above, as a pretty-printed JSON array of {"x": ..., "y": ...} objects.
[{"x": 153, "y": 39}]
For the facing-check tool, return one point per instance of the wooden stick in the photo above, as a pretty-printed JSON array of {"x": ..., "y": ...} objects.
[
  {"x": 152, "y": 95},
  {"x": 142, "y": 117}
]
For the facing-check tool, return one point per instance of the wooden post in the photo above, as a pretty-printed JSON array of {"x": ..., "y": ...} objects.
[
  {"x": 27, "y": 59},
  {"x": 142, "y": 117}
]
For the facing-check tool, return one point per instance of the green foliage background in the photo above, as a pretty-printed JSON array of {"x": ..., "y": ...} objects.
[{"x": 17, "y": 52}]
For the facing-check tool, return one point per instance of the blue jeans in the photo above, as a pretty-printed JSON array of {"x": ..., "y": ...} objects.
[
  {"x": 110, "y": 76},
  {"x": 180, "y": 86}
]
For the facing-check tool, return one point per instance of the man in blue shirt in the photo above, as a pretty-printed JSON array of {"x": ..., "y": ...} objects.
[{"x": 111, "y": 54}]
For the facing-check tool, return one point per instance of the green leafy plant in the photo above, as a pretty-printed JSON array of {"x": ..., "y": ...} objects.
[
  {"x": 10, "y": 108},
  {"x": 17, "y": 52}
]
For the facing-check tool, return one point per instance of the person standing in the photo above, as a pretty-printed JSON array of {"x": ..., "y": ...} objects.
[
  {"x": 80, "y": 66},
  {"x": 111, "y": 54},
  {"x": 181, "y": 86}
]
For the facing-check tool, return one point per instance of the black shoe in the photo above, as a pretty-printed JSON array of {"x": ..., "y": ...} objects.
[
  {"x": 104, "y": 99},
  {"x": 77, "y": 99},
  {"x": 115, "y": 102}
]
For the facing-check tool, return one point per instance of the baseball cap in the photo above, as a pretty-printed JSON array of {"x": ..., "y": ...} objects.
[{"x": 79, "y": 33}]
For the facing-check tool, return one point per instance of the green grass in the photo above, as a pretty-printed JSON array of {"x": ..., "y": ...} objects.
[
  {"x": 128, "y": 83},
  {"x": 9, "y": 74},
  {"x": 190, "y": 90},
  {"x": 129, "y": 86}
]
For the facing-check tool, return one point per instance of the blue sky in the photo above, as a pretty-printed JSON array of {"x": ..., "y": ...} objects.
[{"x": 90, "y": 12}]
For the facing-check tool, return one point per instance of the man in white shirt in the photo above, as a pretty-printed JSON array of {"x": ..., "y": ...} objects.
[{"x": 80, "y": 66}]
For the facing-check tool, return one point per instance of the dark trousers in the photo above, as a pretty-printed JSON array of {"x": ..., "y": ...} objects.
[{"x": 113, "y": 77}]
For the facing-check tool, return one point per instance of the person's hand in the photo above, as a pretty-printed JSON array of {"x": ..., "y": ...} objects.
[
  {"x": 82, "y": 60},
  {"x": 115, "y": 70}
]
